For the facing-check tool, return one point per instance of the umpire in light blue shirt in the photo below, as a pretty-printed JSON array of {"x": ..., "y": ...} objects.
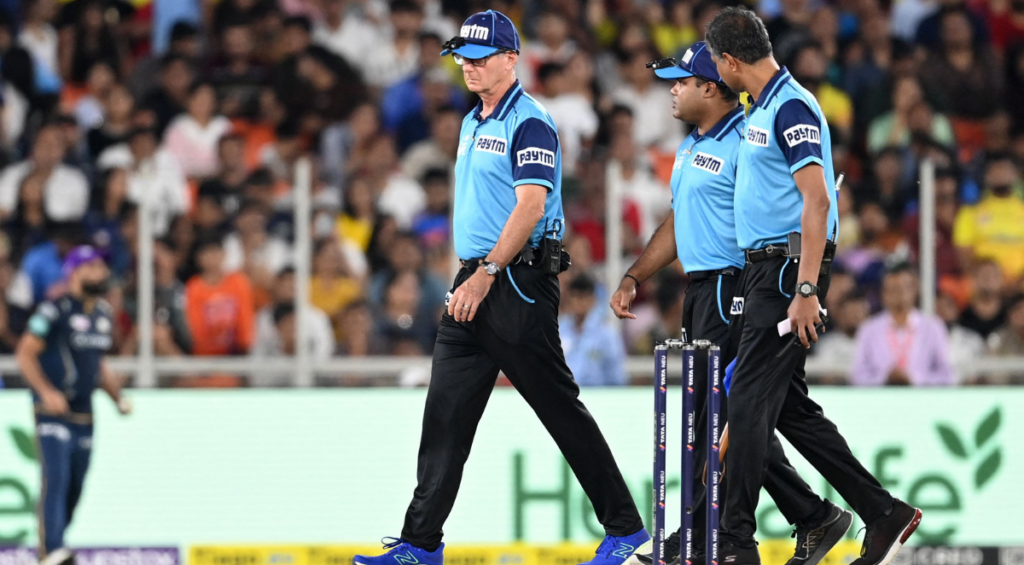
[
  {"x": 502, "y": 311},
  {"x": 701, "y": 233},
  {"x": 786, "y": 223}
]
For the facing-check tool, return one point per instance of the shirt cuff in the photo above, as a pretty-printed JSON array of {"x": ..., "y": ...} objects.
[
  {"x": 806, "y": 161},
  {"x": 542, "y": 182}
]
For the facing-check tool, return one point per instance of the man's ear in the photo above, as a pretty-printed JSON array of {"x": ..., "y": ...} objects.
[
  {"x": 512, "y": 58},
  {"x": 734, "y": 64}
]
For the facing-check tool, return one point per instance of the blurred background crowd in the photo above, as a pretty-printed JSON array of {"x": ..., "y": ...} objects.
[{"x": 206, "y": 107}]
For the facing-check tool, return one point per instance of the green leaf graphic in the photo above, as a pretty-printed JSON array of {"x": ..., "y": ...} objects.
[
  {"x": 988, "y": 427},
  {"x": 952, "y": 440},
  {"x": 988, "y": 468},
  {"x": 24, "y": 443}
]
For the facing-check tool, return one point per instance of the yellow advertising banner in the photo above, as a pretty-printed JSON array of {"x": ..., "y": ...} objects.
[{"x": 775, "y": 552}]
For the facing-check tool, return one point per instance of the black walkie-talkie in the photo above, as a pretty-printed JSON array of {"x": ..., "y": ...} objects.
[
  {"x": 552, "y": 256},
  {"x": 819, "y": 327},
  {"x": 551, "y": 249}
]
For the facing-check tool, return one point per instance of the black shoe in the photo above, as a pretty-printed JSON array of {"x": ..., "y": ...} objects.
[
  {"x": 729, "y": 554},
  {"x": 671, "y": 551},
  {"x": 886, "y": 535},
  {"x": 812, "y": 544}
]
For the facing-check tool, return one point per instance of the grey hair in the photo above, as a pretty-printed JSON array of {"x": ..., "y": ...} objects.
[{"x": 740, "y": 33}]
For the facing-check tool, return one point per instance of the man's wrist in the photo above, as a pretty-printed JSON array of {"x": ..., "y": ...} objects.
[
  {"x": 636, "y": 281},
  {"x": 490, "y": 268}
]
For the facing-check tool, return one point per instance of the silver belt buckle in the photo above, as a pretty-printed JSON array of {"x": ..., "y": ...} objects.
[{"x": 770, "y": 249}]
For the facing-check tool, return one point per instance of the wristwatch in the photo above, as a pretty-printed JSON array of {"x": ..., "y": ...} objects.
[
  {"x": 806, "y": 289},
  {"x": 490, "y": 267}
]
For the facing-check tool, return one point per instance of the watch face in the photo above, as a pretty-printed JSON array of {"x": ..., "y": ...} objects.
[{"x": 491, "y": 268}]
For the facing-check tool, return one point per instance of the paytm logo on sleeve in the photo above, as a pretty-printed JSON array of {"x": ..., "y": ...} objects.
[
  {"x": 707, "y": 162},
  {"x": 536, "y": 156},
  {"x": 491, "y": 144},
  {"x": 475, "y": 32},
  {"x": 802, "y": 133},
  {"x": 757, "y": 136}
]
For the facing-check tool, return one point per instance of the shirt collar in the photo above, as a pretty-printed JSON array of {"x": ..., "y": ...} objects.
[
  {"x": 772, "y": 87},
  {"x": 504, "y": 105},
  {"x": 719, "y": 130}
]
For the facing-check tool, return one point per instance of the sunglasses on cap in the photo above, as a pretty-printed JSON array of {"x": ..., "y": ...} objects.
[
  {"x": 459, "y": 41},
  {"x": 669, "y": 62},
  {"x": 665, "y": 63}
]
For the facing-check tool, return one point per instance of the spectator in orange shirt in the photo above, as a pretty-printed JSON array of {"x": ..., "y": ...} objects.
[{"x": 219, "y": 306}]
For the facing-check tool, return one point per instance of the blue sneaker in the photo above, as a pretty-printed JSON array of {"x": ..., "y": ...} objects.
[
  {"x": 401, "y": 553},
  {"x": 616, "y": 550}
]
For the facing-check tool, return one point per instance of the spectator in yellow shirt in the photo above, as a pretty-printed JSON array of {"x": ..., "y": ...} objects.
[
  {"x": 675, "y": 29},
  {"x": 994, "y": 227},
  {"x": 332, "y": 286}
]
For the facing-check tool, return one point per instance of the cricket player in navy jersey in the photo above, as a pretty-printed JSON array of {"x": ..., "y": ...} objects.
[
  {"x": 503, "y": 310},
  {"x": 701, "y": 234},
  {"x": 786, "y": 223},
  {"x": 61, "y": 357}
]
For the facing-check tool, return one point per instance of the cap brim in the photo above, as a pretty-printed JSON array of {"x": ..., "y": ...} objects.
[
  {"x": 672, "y": 73},
  {"x": 471, "y": 51}
]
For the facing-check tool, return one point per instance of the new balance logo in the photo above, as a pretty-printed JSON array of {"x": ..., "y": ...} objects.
[
  {"x": 737, "y": 306},
  {"x": 707, "y": 162},
  {"x": 624, "y": 551},
  {"x": 491, "y": 144},
  {"x": 475, "y": 32},
  {"x": 406, "y": 558},
  {"x": 757, "y": 136},
  {"x": 802, "y": 133},
  {"x": 536, "y": 156},
  {"x": 813, "y": 539}
]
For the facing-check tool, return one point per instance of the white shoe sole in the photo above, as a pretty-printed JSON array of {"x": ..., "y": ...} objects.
[{"x": 902, "y": 538}]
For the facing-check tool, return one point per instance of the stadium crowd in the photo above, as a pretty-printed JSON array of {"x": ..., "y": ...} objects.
[{"x": 204, "y": 109}]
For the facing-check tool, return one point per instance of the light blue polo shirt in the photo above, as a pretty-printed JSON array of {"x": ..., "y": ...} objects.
[
  {"x": 703, "y": 189},
  {"x": 785, "y": 132},
  {"x": 517, "y": 144}
]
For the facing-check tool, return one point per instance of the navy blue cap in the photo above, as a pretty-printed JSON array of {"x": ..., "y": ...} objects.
[
  {"x": 483, "y": 34},
  {"x": 695, "y": 62}
]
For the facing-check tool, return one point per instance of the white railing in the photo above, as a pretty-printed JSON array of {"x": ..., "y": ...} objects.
[
  {"x": 146, "y": 367},
  {"x": 926, "y": 248}
]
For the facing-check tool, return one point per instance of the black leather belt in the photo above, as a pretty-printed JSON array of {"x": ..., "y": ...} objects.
[
  {"x": 758, "y": 255},
  {"x": 782, "y": 250},
  {"x": 698, "y": 276},
  {"x": 470, "y": 263},
  {"x": 519, "y": 258}
]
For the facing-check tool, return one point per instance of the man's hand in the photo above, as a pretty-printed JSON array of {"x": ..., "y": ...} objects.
[
  {"x": 623, "y": 297},
  {"x": 467, "y": 298},
  {"x": 53, "y": 402},
  {"x": 803, "y": 315}
]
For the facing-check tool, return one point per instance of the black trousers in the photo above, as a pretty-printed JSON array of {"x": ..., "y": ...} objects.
[
  {"x": 515, "y": 331},
  {"x": 769, "y": 392},
  {"x": 706, "y": 316}
]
